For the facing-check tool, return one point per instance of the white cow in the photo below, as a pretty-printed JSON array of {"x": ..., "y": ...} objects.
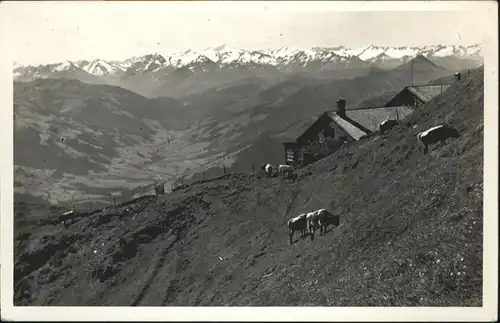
[{"x": 297, "y": 223}]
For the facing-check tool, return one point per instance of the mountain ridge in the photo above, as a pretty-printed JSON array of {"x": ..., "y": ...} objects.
[{"x": 226, "y": 56}]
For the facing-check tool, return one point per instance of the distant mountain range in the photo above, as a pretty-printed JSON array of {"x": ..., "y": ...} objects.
[
  {"x": 191, "y": 72},
  {"x": 94, "y": 139},
  {"x": 222, "y": 56}
]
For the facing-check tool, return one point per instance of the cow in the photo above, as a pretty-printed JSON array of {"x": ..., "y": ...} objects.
[
  {"x": 387, "y": 125},
  {"x": 320, "y": 219},
  {"x": 68, "y": 213},
  {"x": 285, "y": 169},
  {"x": 435, "y": 134},
  {"x": 297, "y": 223},
  {"x": 268, "y": 169}
]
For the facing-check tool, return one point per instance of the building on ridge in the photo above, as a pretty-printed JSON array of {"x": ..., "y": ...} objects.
[
  {"x": 335, "y": 128},
  {"x": 331, "y": 130}
]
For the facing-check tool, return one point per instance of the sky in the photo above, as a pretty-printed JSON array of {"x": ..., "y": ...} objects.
[{"x": 48, "y": 32}]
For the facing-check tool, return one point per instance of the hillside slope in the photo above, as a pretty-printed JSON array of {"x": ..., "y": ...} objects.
[
  {"x": 410, "y": 231},
  {"x": 67, "y": 133}
]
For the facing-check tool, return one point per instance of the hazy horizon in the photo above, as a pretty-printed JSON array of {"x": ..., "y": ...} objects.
[{"x": 121, "y": 30}]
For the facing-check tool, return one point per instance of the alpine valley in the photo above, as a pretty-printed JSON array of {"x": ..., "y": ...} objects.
[{"x": 88, "y": 129}]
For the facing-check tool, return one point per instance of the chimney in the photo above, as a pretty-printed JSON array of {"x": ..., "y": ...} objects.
[
  {"x": 458, "y": 76},
  {"x": 341, "y": 107}
]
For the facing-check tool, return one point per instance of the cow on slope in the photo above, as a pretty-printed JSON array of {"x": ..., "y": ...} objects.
[{"x": 432, "y": 135}]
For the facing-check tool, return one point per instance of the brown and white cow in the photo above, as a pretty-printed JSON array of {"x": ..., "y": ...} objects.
[
  {"x": 320, "y": 219},
  {"x": 267, "y": 168},
  {"x": 435, "y": 134},
  {"x": 387, "y": 125},
  {"x": 285, "y": 170}
]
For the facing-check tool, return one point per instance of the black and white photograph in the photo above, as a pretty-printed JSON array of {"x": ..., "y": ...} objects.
[{"x": 215, "y": 160}]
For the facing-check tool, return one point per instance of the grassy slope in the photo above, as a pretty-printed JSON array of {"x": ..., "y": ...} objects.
[{"x": 410, "y": 232}]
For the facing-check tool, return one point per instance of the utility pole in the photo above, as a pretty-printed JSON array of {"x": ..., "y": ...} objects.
[{"x": 412, "y": 62}]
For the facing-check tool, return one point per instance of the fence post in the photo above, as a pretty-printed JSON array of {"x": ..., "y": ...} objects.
[
  {"x": 73, "y": 203},
  {"x": 48, "y": 200},
  {"x": 253, "y": 168},
  {"x": 114, "y": 201},
  {"x": 224, "y": 167}
]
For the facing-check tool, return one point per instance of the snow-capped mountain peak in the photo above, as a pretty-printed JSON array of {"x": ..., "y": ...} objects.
[
  {"x": 224, "y": 55},
  {"x": 65, "y": 66},
  {"x": 146, "y": 63},
  {"x": 101, "y": 67}
]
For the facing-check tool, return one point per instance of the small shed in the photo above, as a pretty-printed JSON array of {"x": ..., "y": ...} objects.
[
  {"x": 417, "y": 95},
  {"x": 160, "y": 188}
]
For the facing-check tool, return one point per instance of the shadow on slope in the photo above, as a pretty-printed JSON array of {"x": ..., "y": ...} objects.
[{"x": 410, "y": 231}]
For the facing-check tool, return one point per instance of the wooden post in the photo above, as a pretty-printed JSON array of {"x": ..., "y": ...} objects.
[
  {"x": 114, "y": 201},
  {"x": 48, "y": 205},
  {"x": 224, "y": 167},
  {"x": 73, "y": 203},
  {"x": 253, "y": 168}
]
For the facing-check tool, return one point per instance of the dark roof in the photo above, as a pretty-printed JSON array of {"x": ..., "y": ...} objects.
[
  {"x": 297, "y": 129},
  {"x": 348, "y": 127},
  {"x": 369, "y": 118},
  {"x": 427, "y": 92}
]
